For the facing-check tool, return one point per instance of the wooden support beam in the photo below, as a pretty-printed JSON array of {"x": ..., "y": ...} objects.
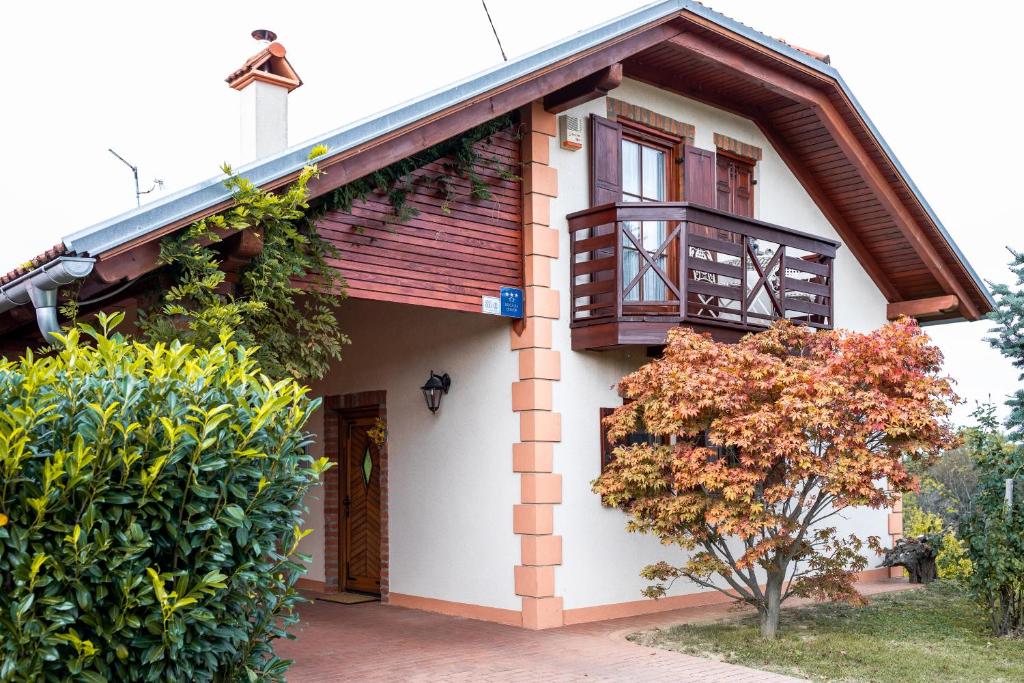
[
  {"x": 239, "y": 247},
  {"x": 127, "y": 265},
  {"x": 590, "y": 88},
  {"x": 922, "y": 308}
]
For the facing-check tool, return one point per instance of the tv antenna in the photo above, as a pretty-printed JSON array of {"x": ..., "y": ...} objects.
[
  {"x": 157, "y": 183},
  {"x": 494, "y": 30}
]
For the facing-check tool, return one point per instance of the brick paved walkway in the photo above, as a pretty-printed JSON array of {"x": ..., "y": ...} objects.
[{"x": 371, "y": 642}]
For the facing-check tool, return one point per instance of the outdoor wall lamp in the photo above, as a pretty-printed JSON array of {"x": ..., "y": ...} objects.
[{"x": 436, "y": 386}]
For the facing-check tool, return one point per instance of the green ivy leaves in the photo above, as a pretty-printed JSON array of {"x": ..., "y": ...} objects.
[
  {"x": 280, "y": 304},
  {"x": 393, "y": 181}
]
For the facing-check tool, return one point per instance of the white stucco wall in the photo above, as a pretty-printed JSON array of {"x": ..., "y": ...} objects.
[
  {"x": 601, "y": 560},
  {"x": 451, "y": 485},
  {"x": 263, "y": 122}
]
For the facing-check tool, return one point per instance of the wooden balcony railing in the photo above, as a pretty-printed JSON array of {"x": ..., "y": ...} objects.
[{"x": 638, "y": 269}]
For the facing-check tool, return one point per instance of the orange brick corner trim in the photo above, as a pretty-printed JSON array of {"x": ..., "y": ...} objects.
[{"x": 540, "y": 427}]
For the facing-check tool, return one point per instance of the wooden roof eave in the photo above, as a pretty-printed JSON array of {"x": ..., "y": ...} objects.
[{"x": 775, "y": 78}]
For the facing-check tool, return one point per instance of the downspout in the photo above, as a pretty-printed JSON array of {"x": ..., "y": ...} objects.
[{"x": 39, "y": 287}]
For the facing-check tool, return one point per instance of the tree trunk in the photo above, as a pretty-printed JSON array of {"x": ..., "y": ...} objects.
[{"x": 772, "y": 607}]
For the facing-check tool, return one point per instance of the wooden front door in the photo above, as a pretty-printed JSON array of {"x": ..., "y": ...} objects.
[{"x": 360, "y": 503}]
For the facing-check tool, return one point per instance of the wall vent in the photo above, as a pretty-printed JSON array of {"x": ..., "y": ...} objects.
[{"x": 570, "y": 132}]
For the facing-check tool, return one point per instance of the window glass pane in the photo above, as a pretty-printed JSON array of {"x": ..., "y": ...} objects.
[
  {"x": 654, "y": 174},
  {"x": 635, "y": 227},
  {"x": 631, "y": 258},
  {"x": 630, "y": 167},
  {"x": 630, "y": 267},
  {"x": 654, "y": 286},
  {"x": 654, "y": 234}
]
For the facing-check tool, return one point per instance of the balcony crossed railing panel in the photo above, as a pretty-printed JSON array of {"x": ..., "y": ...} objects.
[{"x": 681, "y": 263}]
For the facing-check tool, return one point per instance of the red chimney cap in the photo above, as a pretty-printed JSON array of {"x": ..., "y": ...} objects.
[{"x": 268, "y": 65}]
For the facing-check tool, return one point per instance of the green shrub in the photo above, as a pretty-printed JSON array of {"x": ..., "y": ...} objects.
[
  {"x": 993, "y": 536},
  {"x": 917, "y": 522},
  {"x": 150, "y": 502},
  {"x": 951, "y": 562}
]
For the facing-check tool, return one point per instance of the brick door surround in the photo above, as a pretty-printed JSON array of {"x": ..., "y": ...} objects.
[{"x": 333, "y": 407}]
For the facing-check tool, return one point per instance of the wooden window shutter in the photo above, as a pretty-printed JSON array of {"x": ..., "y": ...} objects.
[
  {"x": 723, "y": 183},
  {"x": 734, "y": 186},
  {"x": 605, "y": 160},
  {"x": 606, "y": 448},
  {"x": 743, "y": 190},
  {"x": 699, "y": 175}
]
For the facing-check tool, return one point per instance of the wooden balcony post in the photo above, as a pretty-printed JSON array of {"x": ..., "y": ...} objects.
[
  {"x": 745, "y": 247},
  {"x": 782, "y": 281},
  {"x": 684, "y": 273},
  {"x": 619, "y": 294},
  {"x": 572, "y": 275}
]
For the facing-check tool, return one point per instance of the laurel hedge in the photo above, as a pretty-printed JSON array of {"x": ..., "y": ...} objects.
[{"x": 150, "y": 510}]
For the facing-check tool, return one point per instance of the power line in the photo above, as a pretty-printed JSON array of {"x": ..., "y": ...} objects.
[{"x": 491, "y": 22}]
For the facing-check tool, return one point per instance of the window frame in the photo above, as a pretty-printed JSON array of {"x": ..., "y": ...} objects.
[
  {"x": 670, "y": 144},
  {"x": 671, "y": 147}
]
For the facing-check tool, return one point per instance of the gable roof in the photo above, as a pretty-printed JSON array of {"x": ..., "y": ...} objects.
[{"x": 373, "y": 142}]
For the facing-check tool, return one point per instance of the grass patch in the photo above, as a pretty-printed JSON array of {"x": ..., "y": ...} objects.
[{"x": 930, "y": 635}]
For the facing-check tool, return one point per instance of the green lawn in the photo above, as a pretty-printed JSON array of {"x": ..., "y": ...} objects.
[{"x": 930, "y": 635}]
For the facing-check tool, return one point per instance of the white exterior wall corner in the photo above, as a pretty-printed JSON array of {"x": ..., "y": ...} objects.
[
  {"x": 263, "y": 124},
  {"x": 601, "y": 561},
  {"x": 450, "y": 487}
]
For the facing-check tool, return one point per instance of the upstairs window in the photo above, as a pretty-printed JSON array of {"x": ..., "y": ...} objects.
[{"x": 646, "y": 169}]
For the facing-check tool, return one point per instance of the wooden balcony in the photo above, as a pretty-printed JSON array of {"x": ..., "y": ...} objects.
[{"x": 639, "y": 269}]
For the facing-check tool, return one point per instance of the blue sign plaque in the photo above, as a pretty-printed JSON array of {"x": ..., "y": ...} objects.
[{"x": 511, "y": 302}]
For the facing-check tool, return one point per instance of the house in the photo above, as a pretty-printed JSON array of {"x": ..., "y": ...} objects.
[{"x": 671, "y": 166}]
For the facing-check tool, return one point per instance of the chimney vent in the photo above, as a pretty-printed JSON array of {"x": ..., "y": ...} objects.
[{"x": 264, "y": 35}]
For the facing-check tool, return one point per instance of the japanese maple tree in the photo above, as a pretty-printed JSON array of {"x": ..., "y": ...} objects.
[{"x": 757, "y": 445}]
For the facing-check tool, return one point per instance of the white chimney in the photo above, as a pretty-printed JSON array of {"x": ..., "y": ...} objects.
[{"x": 264, "y": 82}]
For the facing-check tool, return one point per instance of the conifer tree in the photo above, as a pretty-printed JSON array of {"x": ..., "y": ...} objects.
[{"x": 1008, "y": 337}]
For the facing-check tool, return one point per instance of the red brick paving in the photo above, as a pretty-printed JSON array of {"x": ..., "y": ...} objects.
[{"x": 373, "y": 642}]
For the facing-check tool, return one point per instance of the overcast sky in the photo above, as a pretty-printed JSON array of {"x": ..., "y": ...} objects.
[{"x": 940, "y": 80}]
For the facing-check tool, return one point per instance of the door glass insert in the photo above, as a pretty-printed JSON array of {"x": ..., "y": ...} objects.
[{"x": 367, "y": 466}]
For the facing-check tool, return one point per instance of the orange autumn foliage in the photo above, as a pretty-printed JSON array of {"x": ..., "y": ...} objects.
[{"x": 760, "y": 442}]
